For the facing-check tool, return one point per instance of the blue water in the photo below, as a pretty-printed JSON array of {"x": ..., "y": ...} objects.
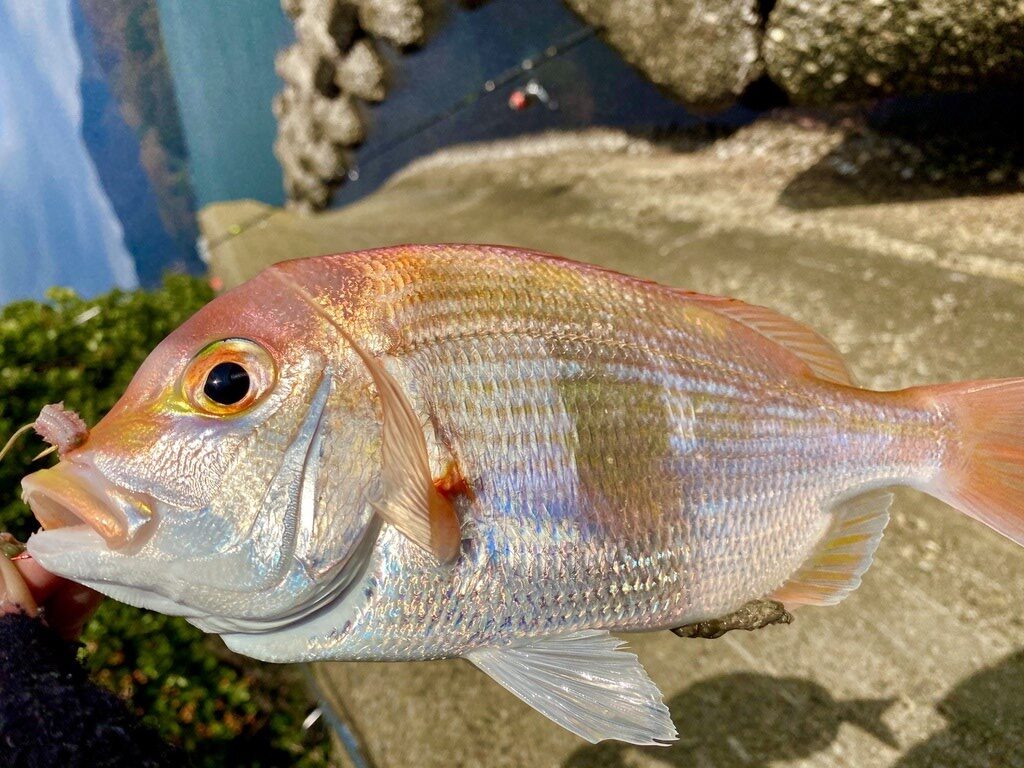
[
  {"x": 221, "y": 54},
  {"x": 115, "y": 150},
  {"x": 57, "y": 224}
]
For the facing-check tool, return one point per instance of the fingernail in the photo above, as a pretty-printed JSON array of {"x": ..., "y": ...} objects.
[{"x": 10, "y": 546}]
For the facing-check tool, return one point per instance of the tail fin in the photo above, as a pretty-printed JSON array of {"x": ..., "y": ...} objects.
[{"x": 984, "y": 464}]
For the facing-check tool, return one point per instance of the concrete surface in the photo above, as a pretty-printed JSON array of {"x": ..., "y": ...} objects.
[
  {"x": 922, "y": 666},
  {"x": 705, "y": 52},
  {"x": 824, "y": 51}
]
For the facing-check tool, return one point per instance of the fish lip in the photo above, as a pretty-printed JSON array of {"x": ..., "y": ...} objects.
[{"x": 71, "y": 494}]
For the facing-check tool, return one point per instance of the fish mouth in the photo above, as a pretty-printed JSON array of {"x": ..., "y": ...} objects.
[{"x": 72, "y": 495}]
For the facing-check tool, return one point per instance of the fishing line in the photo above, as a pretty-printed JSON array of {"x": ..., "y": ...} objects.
[
  {"x": 559, "y": 48},
  {"x": 551, "y": 52},
  {"x": 14, "y": 438},
  {"x": 240, "y": 229}
]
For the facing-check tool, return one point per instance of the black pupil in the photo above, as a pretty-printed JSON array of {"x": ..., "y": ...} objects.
[{"x": 227, "y": 383}]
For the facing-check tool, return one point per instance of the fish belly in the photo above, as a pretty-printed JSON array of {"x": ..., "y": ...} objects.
[
  {"x": 634, "y": 462},
  {"x": 636, "y": 501}
]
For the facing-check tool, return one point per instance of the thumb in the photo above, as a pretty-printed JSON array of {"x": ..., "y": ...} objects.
[{"x": 15, "y": 595}]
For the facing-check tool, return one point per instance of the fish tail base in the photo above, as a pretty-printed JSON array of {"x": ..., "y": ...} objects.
[{"x": 983, "y": 468}]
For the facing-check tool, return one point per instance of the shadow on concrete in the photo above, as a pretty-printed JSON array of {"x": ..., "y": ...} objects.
[
  {"x": 686, "y": 139},
  {"x": 985, "y": 715},
  {"x": 748, "y": 719},
  {"x": 920, "y": 148}
]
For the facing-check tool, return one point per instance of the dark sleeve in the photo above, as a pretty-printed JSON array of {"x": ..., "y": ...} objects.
[{"x": 52, "y": 715}]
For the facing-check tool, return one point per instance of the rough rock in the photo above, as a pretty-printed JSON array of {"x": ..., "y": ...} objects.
[
  {"x": 362, "y": 72},
  {"x": 705, "y": 52},
  {"x": 297, "y": 66},
  {"x": 327, "y": 28},
  {"x": 824, "y": 51},
  {"x": 338, "y": 121},
  {"x": 292, "y": 8},
  {"x": 313, "y": 132},
  {"x": 330, "y": 67},
  {"x": 316, "y": 120},
  {"x": 398, "y": 21},
  {"x": 817, "y": 51},
  {"x": 915, "y": 281}
]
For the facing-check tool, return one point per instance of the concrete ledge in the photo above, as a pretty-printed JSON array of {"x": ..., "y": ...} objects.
[{"x": 923, "y": 665}]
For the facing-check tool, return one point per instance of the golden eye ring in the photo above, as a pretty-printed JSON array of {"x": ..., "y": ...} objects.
[{"x": 228, "y": 377}]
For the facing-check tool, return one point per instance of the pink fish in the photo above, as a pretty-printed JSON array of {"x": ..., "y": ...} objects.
[{"x": 459, "y": 451}]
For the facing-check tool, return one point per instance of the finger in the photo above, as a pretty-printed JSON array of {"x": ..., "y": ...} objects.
[
  {"x": 40, "y": 582},
  {"x": 69, "y": 608},
  {"x": 14, "y": 592}
]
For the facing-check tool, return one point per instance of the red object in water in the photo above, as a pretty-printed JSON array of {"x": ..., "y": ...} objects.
[{"x": 518, "y": 100}]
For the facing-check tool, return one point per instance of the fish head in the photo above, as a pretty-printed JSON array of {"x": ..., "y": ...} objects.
[{"x": 203, "y": 492}]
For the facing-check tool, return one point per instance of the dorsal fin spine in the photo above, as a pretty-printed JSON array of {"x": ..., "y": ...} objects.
[{"x": 813, "y": 349}]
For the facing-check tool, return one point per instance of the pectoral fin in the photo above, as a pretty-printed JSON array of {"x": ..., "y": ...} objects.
[
  {"x": 585, "y": 683},
  {"x": 410, "y": 501}
]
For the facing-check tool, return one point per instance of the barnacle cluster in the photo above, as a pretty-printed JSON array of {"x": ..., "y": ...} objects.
[{"x": 334, "y": 67}]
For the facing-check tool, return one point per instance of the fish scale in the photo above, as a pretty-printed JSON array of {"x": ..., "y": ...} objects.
[
  {"x": 481, "y": 452},
  {"x": 739, "y": 499}
]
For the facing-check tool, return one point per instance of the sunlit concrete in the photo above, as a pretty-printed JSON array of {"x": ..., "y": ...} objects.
[{"x": 924, "y": 664}]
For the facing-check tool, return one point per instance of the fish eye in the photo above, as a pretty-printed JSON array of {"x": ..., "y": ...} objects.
[
  {"x": 228, "y": 376},
  {"x": 226, "y": 383}
]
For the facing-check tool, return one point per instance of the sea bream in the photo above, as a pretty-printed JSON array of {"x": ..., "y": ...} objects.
[{"x": 430, "y": 452}]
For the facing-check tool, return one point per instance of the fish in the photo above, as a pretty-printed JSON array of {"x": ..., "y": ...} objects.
[{"x": 480, "y": 452}]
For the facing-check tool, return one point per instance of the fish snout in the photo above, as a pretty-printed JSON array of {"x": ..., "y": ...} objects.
[{"x": 71, "y": 494}]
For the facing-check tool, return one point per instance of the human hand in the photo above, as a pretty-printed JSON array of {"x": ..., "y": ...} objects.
[{"x": 25, "y": 587}]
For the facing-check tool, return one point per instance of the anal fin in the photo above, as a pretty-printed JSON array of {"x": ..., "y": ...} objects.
[
  {"x": 585, "y": 683},
  {"x": 835, "y": 568}
]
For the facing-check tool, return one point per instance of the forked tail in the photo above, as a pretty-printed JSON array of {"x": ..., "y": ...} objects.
[{"x": 983, "y": 474}]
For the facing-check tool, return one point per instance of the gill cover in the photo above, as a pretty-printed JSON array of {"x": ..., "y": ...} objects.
[{"x": 409, "y": 499}]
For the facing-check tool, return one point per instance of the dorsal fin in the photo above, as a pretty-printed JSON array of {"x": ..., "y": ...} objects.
[
  {"x": 409, "y": 499},
  {"x": 819, "y": 354},
  {"x": 835, "y": 567}
]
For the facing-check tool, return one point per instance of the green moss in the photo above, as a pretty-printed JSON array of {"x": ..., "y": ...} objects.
[{"x": 221, "y": 708}]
